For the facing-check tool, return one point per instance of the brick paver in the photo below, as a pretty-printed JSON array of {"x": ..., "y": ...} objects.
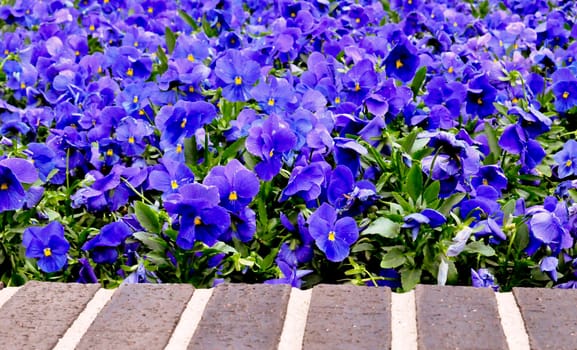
[
  {"x": 242, "y": 317},
  {"x": 348, "y": 317},
  {"x": 458, "y": 318},
  {"x": 38, "y": 314},
  {"x": 138, "y": 317},
  {"x": 550, "y": 317}
]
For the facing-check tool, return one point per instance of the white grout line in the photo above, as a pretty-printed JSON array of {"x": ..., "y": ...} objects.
[
  {"x": 295, "y": 322},
  {"x": 189, "y": 319},
  {"x": 403, "y": 321},
  {"x": 73, "y": 335},
  {"x": 512, "y": 322},
  {"x": 7, "y": 293}
]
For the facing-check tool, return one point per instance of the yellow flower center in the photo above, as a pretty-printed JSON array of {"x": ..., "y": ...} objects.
[
  {"x": 331, "y": 236},
  {"x": 77, "y": 53},
  {"x": 136, "y": 44},
  {"x": 110, "y": 152},
  {"x": 451, "y": 70},
  {"x": 357, "y": 20},
  {"x": 174, "y": 186},
  {"x": 4, "y": 186},
  {"x": 337, "y": 100},
  {"x": 479, "y": 101},
  {"x": 179, "y": 148},
  {"x": 485, "y": 182},
  {"x": 23, "y": 85},
  {"x": 293, "y": 15},
  {"x": 566, "y": 95},
  {"x": 47, "y": 252},
  {"x": 569, "y": 162},
  {"x": 141, "y": 112},
  {"x": 271, "y": 153},
  {"x": 135, "y": 99},
  {"x": 91, "y": 28},
  {"x": 237, "y": 80},
  {"x": 197, "y": 220},
  {"x": 515, "y": 100},
  {"x": 131, "y": 139},
  {"x": 271, "y": 101},
  {"x": 99, "y": 69},
  {"x": 232, "y": 196},
  {"x": 190, "y": 57},
  {"x": 130, "y": 72},
  {"x": 150, "y": 10},
  {"x": 183, "y": 124},
  {"x": 357, "y": 87},
  {"x": 191, "y": 89},
  {"x": 399, "y": 64},
  {"x": 410, "y": 2}
]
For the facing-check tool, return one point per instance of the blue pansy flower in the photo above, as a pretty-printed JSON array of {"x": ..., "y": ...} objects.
[
  {"x": 48, "y": 245},
  {"x": 567, "y": 160},
  {"x": 333, "y": 237},
  {"x": 103, "y": 246}
]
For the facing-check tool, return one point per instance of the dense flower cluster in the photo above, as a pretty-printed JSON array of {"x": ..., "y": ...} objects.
[{"x": 410, "y": 141}]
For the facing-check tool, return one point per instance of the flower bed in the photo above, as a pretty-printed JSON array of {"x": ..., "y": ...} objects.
[{"x": 380, "y": 143}]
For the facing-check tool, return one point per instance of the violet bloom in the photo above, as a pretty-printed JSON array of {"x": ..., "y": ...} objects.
[
  {"x": 566, "y": 159},
  {"x": 480, "y": 97},
  {"x": 236, "y": 185},
  {"x": 183, "y": 119},
  {"x": 428, "y": 216},
  {"x": 274, "y": 97},
  {"x": 48, "y": 245},
  {"x": 304, "y": 252},
  {"x": 288, "y": 263},
  {"x": 343, "y": 192},
  {"x": 402, "y": 62},
  {"x": 549, "y": 266},
  {"x": 515, "y": 140},
  {"x": 169, "y": 177},
  {"x": 86, "y": 273},
  {"x": 238, "y": 74},
  {"x": 490, "y": 175},
  {"x": 201, "y": 218},
  {"x": 103, "y": 246},
  {"x": 14, "y": 172},
  {"x": 333, "y": 237},
  {"x": 548, "y": 226},
  {"x": 483, "y": 279},
  {"x": 131, "y": 133},
  {"x": 269, "y": 140},
  {"x": 306, "y": 181}
]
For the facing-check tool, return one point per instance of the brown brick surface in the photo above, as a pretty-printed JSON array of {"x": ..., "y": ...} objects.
[
  {"x": 458, "y": 318},
  {"x": 348, "y": 317},
  {"x": 40, "y": 313},
  {"x": 550, "y": 317},
  {"x": 138, "y": 316},
  {"x": 241, "y": 316}
]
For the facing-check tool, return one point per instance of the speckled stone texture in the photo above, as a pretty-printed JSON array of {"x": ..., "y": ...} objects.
[
  {"x": 40, "y": 313},
  {"x": 550, "y": 317},
  {"x": 348, "y": 317},
  {"x": 241, "y": 316},
  {"x": 458, "y": 318},
  {"x": 139, "y": 316}
]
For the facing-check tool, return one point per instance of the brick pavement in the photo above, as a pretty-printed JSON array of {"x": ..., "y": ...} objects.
[{"x": 43, "y": 315}]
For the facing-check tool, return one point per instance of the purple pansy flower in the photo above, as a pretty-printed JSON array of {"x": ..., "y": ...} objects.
[
  {"x": 48, "y": 245},
  {"x": 238, "y": 74},
  {"x": 269, "y": 140},
  {"x": 333, "y": 237},
  {"x": 567, "y": 159},
  {"x": 483, "y": 279},
  {"x": 103, "y": 246},
  {"x": 236, "y": 185},
  {"x": 402, "y": 62}
]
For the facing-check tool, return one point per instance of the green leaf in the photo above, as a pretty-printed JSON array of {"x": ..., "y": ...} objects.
[
  {"x": 414, "y": 182},
  {"x": 480, "y": 248},
  {"x": 394, "y": 258},
  {"x": 409, "y": 140},
  {"x": 450, "y": 202},
  {"x": 410, "y": 278},
  {"x": 163, "y": 67},
  {"x": 492, "y": 139},
  {"x": 484, "y": 9},
  {"x": 418, "y": 80},
  {"x": 383, "y": 227},
  {"x": 432, "y": 192},
  {"x": 191, "y": 22},
  {"x": 170, "y": 39},
  {"x": 147, "y": 217},
  {"x": 152, "y": 241},
  {"x": 232, "y": 150}
]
